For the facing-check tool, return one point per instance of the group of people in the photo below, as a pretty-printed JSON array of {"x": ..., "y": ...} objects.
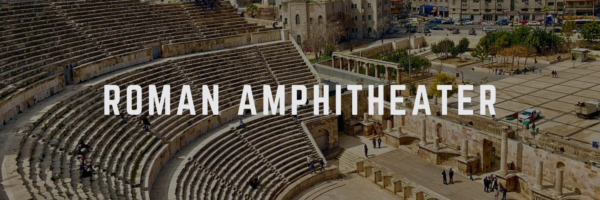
[
  {"x": 450, "y": 175},
  {"x": 254, "y": 182},
  {"x": 491, "y": 185},
  {"x": 210, "y": 4},
  {"x": 375, "y": 142},
  {"x": 143, "y": 119},
  {"x": 311, "y": 164},
  {"x": 85, "y": 168},
  {"x": 554, "y": 74}
]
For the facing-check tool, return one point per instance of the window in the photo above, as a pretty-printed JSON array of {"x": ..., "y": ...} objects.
[
  {"x": 475, "y": 10},
  {"x": 538, "y": 9},
  {"x": 355, "y": 18},
  {"x": 368, "y": 5},
  {"x": 363, "y": 17},
  {"x": 369, "y": 17},
  {"x": 352, "y": 6},
  {"x": 550, "y": 3},
  {"x": 310, "y": 20},
  {"x": 285, "y": 22},
  {"x": 299, "y": 39},
  {"x": 279, "y": 6},
  {"x": 297, "y": 19},
  {"x": 320, "y": 19},
  {"x": 524, "y": 9},
  {"x": 499, "y": 10}
]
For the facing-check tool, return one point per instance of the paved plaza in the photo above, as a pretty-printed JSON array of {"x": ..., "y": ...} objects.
[{"x": 555, "y": 97}]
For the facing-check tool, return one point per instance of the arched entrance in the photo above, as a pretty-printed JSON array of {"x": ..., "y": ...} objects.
[{"x": 322, "y": 139}]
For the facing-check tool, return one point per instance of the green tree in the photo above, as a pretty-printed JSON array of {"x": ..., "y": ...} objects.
[
  {"x": 590, "y": 31},
  {"x": 252, "y": 11},
  {"x": 443, "y": 79},
  {"x": 463, "y": 46},
  {"x": 567, "y": 31},
  {"x": 481, "y": 53}
]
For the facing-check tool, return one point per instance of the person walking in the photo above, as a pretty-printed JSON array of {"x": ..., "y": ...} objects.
[
  {"x": 495, "y": 184},
  {"x": 366, "y": 151},
  {"x": 374, "y": 143},
  {"x": 308, "y": 159},
  {"x": 470, "y": 170},
  {"x": 486, "y": 184},
  {"x": 379, "y": 141},
  {"x": 444, "y": 176},
  {"x": 451, "y": 175},
  {"x": 146, "y": 123},
  {"x": 242, "y": 125},
  {"x": 555, "y": 74},
  {"x": 312, "y": 168},
  {"x": 496, "y": 193},
  {"x": 504, "y": 193},
  {"x": 322, "y": 163}
]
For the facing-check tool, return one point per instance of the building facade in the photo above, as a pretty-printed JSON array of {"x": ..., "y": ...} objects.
[
  {"x": 370, "y": 16},
  {"x": 503, "y": 9}
]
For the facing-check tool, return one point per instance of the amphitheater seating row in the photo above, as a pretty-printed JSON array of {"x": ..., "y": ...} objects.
[
  {"x": 272, "y": 148},
  {"x": 42, "y": 38},
  {"x": 121, "y": 152}
]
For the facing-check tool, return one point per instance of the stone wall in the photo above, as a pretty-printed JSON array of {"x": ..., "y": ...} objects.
[
  {"x": 331, "y": 172},
  {"x": 346, "y": 75},
  {"x": 262, "y": 22},
  {"x": 579, "y": 175},
  {"x": 90, "y": 70},
  {"x": 26, "y": 97}
]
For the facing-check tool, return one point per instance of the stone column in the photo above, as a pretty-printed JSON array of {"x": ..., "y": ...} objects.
[
  {"x": 504, "y": 152},
  {"x": 435, "y": 100},
  {"x": 366, "y": 65},
  {"x": 389, "y": 126},
  {"x": 341, "y": 62},
  {"x": 436, "y": 143},
  {"x": 333, "y": 62},
  {"x": 357, "y": 66},
  {"x": 376, "y": 71},
  {"x": 539, "y": 174},
  {"x": 366, "y": 117},
  {"x": 559, "y": 181},
  {"x": 464, "y": 149},
  {"x": 423, "y": 133},
  {"x": 387, "y": 73},
  {"x": 398, "y": 76},
  {"x": 349, "y": 64}
]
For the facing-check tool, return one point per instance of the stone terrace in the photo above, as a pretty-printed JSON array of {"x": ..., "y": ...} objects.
[
  {"x": 121, "y": 153},
  {"x": 39, "y": 38}
]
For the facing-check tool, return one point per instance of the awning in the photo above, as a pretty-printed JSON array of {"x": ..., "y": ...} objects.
[
  {"x": 443, "y": 9},
  {"x": 428, "y": 6}
]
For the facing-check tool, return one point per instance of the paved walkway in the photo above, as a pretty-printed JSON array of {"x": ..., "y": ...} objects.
[
  {"x": 408, "y": 165},
  {"x": 353, "y": 187}
]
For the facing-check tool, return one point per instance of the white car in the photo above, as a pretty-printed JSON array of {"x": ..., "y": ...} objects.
[
  {"x": 533, "y": 23},
  {"x": 488, "y": 23},
  {"x": 468, "y": 23},
  {"x": 529, "y": 115},
  {"x": 488, "y": 29}
]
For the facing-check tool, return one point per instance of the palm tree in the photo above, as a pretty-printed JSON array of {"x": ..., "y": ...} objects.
[{"x": 546, "y": 9}]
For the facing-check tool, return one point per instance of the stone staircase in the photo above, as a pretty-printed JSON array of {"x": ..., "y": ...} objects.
[{"x": 347, "y": 161}]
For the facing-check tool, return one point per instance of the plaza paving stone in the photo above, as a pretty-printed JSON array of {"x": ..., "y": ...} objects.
[{"x": 555, "y": 97}]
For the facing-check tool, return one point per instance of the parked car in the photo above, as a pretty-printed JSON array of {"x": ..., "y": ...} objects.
[
  {"x": 529, "y": 115},
  {"x": 503, "y": 22},
  {"x": 472, "y": 32},
  {"x": 448, "y": 22},
  {"x": 450, "y": 28},
  {"x": 487, "y": 23},
  {"x": 435, "y": 21},
  {"x": 533, "y": 23},
  {"x": 436, "y": 28},
  {"x": 523, "y": 22},
  {"x": 488, "y": 29},
  {"x": 468, "y": 23},
  {"x": 427, "y": 30}
]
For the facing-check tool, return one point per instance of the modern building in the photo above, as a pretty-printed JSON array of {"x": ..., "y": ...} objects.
[
  {"x": 503, "y": 9},
  {"x": 370, "y": 16}
]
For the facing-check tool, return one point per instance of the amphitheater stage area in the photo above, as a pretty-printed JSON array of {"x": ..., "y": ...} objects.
[{"x": 351, "y": 186}]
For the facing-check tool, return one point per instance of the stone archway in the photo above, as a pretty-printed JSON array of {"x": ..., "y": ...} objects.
[{"x": 322, "y": 139}]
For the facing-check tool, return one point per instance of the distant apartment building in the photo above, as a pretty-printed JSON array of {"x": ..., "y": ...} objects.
[
  {"x": 503, "y": 9},
  {"x": 369, "y": 16}
]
